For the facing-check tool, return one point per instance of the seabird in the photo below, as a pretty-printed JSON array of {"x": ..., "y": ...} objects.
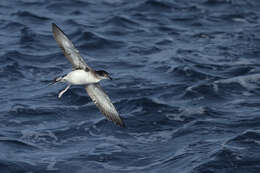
[{"x": 82, "y": 74}]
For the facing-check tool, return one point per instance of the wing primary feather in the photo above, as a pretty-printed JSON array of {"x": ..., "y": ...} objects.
[
  {"x": 102, "y": 101},
  {"x": 69, "y": 50}
]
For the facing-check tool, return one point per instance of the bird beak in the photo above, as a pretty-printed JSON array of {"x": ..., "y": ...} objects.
[
  {"x": 52, "y": 83},
  {"x": 109, "y": 77}
]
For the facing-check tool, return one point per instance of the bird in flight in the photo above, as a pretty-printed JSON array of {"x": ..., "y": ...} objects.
[{"x": 82, "y": 74}]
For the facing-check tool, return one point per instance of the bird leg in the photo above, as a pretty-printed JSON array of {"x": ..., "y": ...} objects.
[{"x": 63, "y": 91}]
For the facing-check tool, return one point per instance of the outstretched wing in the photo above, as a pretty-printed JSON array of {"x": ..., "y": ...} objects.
[
  {"x": 104, "y": 104},
  {"x": 70, "y": 52}
]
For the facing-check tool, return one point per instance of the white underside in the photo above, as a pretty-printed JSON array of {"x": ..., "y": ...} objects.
[{"x": 80, "y": 77}]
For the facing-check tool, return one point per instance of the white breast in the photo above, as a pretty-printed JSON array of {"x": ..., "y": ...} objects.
[{"x": 80, "y": 77}]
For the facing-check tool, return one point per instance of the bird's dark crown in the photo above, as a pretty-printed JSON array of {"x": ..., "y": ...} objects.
[{"x": 102, "y": 73}]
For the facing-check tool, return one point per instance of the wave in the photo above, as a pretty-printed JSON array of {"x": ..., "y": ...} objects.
[
  {"x": 20, "y": 109},
  {"x": 249, "y": 138},
  {"x": 185, "y": 82},
  {"x": 12, "y": 26},
  {"x": 7, "y": 142},
  {"x": 90, "y": 40},
  {"x": 154, "y": 5},
  {"x": 123, "y": 22},
  {"x": 249, "y": 82},
  {"x": 29, "y": 16}
]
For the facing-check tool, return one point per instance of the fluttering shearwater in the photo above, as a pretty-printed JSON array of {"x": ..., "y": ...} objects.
[{"x": 82, "y": 74}]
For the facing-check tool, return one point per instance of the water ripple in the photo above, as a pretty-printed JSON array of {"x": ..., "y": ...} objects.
[{"x": 186, "y": 81}]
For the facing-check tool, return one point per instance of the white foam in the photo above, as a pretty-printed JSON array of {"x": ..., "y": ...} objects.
[{"x": 249, "y": 81}]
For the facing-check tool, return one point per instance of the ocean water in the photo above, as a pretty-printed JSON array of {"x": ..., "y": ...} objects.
[{"x": 186, "y": 82}]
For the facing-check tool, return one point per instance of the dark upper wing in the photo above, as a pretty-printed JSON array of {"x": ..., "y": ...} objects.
[
  {"x": 71, "y": 53},
  {"x": 104, "y": 104}
]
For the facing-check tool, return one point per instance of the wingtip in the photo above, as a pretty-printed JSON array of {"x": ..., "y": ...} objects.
[
  {"x": 54, "y": 27},
  {"x": 58, "y": 33},
  {"x": 121, "y": 124},
  {"x": 119, "y": 121}
]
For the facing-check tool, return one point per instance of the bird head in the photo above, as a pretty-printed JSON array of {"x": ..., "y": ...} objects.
[{"x": 103, "y": 74}]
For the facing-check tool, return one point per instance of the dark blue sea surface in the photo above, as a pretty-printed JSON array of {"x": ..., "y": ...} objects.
[{"x": 186, "y": 82}]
